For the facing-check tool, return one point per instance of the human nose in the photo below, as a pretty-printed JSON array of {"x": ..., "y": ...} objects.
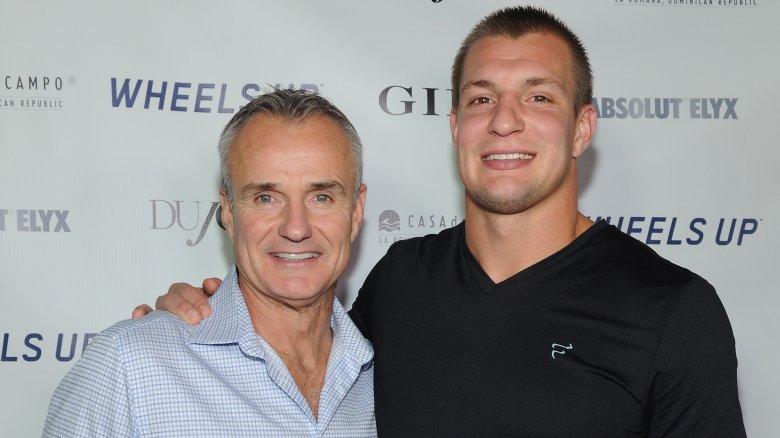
[
  {"x": 507, "y": 118},
  {"x": 296, "y": 224}
]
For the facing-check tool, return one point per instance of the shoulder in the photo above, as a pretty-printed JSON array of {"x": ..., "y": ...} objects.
[
  {"x": 154, "y": 322},
  {"x": 629, "y": 259},
  {"x": 652, "y": 288},
  {"x": 620, "y": 273},
  {"x": 158, "y": 330},
  {"x": 400, "y": 268},
  {"x": 692, "y": 373},
  {"x": 425, "y": 248},
  {"x": 406, "y": 260}
]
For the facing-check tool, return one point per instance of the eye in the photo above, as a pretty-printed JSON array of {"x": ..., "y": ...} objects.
[
  {"x": 540, "y": 99},
  {"x": 264, "y": 199},
  {"x": 480, "y": 100},
  {"x": 322, "y": 198}
]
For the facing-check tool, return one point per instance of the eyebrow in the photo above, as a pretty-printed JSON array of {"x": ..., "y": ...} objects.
[
  {"x": 251, "y": 189},
  {"x": 328, "y": 185},
  {"x": 531, "y": 82},
  {"x": 546, "y": 80},
  {"x": 481, "y": 83}
]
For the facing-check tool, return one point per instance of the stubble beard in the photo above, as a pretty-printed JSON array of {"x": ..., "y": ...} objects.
[{"x": 519, "y": 200}]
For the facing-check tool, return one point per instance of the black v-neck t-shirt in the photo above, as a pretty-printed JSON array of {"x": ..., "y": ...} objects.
[{"x": 604, "y": 338}]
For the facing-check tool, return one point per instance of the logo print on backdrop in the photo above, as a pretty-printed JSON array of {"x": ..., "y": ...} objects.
[
  {"x": 700, "y": 3},
  {"x": 189, "y": 96},
  {"x": 32, "y": 347},
  {"x": 45, "y": 221},
  {"x": 717, "y": 108},
  {"x": 398, "y": 100},
  {"x": 32, "y": 92},
  {"x": 393, "y": 228},
  {"x": 674, "y": 231},
  {"x": 167, "y": 215},
  {"x": 389, "y": 221}
]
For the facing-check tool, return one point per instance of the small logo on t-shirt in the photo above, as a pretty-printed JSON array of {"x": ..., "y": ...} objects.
[{"x": 560, "y": 349}]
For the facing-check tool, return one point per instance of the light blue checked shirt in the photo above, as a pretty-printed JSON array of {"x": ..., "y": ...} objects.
[{"x": 159, "y": 376}]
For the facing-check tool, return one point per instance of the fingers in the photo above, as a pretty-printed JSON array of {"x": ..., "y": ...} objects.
[
  {"x": 210, "y": 285},
  {"x": 187, "y": 302},
  {"x": 141, "y": 310}
]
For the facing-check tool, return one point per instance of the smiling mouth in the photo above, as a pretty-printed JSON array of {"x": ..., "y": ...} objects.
[
  {"x": 295, "y": 256},
  {"x": 514, "y": 156}
]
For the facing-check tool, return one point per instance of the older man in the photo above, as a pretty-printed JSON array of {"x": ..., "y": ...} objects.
[
  {"x": 528, "y": 319},
  {"x": 279, "y": 356}
]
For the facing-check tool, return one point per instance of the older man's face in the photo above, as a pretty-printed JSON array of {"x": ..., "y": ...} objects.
[{"x": 294, "y": 214}]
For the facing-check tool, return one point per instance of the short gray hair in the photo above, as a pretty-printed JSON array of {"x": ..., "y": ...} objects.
[{"x": 296, "y": 105}]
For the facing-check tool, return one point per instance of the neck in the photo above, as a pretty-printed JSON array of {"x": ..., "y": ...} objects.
[
  {"x": 300, "y": 335},
  {"x": 505, "y": 244},
  {"x": 286, "y": 324}
]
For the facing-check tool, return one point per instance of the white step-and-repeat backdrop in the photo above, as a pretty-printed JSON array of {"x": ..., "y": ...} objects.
[{"x": 110, "y": 111}]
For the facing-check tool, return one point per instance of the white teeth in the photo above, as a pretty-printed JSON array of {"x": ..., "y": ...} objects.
[
  {"x": 296, "y": 256},
  {"x": 515, "y": 156}
]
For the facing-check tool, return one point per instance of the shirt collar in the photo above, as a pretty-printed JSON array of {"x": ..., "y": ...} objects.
[
  {"x": 348, "y": 342},
  {"x": 230, "y": 323}
]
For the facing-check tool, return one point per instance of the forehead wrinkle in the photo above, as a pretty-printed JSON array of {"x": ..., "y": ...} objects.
[{"x": 252, "y": 188}]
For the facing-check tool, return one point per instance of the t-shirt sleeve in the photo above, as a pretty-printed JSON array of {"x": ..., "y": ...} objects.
[
  {"x": 92, "y": 400},
  {"x": 693, "y": 390}
]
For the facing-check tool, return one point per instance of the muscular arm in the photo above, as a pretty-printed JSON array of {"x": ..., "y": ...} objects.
[
  {"x": 188, "y": 302},
  {"x": 694, "y": 386}
]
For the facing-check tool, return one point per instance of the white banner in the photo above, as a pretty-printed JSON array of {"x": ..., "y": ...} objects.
[{"x": 110, "y": 111}]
